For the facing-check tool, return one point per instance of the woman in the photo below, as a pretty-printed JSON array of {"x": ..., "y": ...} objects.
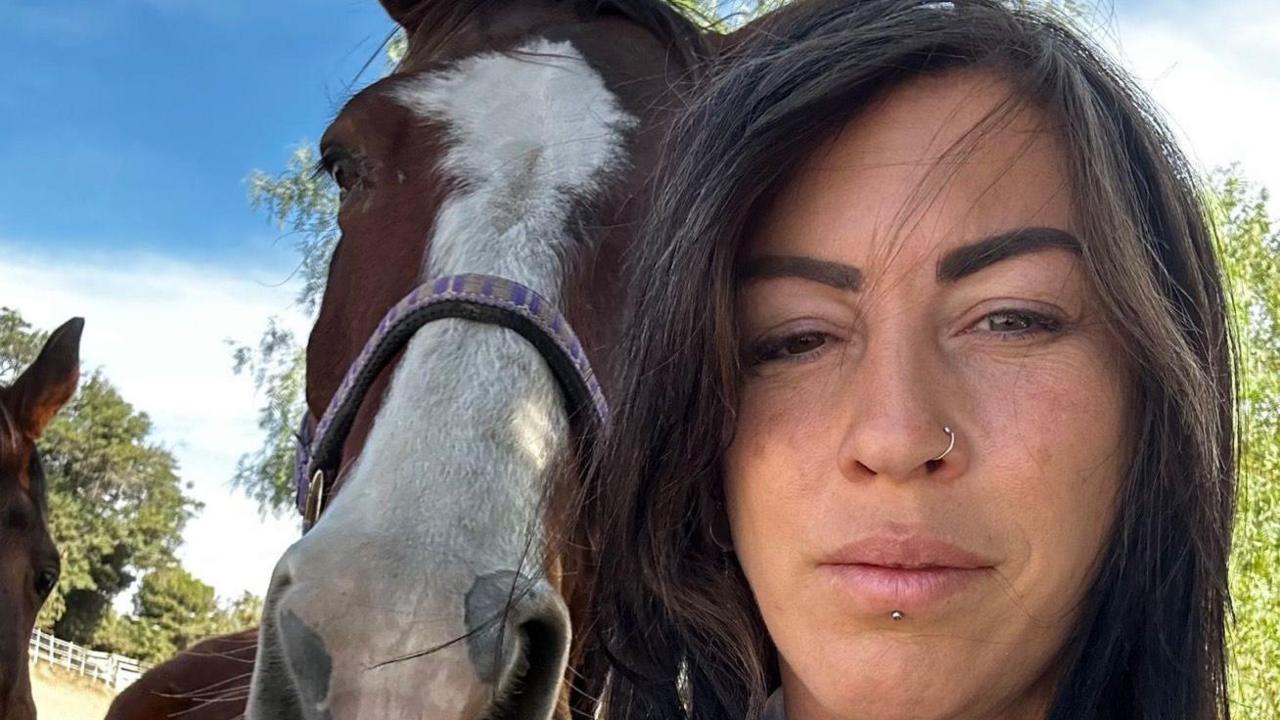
[{"x": 929, "y": 410}]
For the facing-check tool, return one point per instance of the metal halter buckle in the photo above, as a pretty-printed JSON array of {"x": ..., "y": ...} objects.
[{"x": 315, "y": 499}]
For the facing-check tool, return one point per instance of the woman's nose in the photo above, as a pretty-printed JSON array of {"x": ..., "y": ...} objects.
[{"x": 897, "y": 424}]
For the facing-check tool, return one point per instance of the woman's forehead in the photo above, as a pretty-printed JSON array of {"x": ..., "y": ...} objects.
[{"x": 938, "y": 161}]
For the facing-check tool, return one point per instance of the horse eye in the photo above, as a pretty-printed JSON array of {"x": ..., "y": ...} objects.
[
  {"x": 343, "y": 174},
  {"x": 343, "y": 167},
  {"x": 46, "y": 581}
]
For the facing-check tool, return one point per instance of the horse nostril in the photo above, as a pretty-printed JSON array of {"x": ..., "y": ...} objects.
[
  {"x": 532, "y": 686},
  {"x": 520, "y": 643}
]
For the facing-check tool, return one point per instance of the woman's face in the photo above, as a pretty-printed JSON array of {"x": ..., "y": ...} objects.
[{"x": 892, "y": 290}]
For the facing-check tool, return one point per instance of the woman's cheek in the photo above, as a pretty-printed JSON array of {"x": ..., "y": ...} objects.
[{"x": 1053, "y": 448}]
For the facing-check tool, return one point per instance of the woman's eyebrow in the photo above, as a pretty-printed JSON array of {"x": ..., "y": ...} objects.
[
  {"x": 827, "y": 272},
  {"x": 968, "y": 259},
  {"x": 956, "y": 264}
]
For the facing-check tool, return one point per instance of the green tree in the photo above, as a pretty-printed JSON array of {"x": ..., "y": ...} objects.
[
  {"x": 1250, "y": 250},
  {"x": 179, "y": 606},
  {"x": 172, "y": 611},
  {"x": 139, "y": 639},
  {"x": 19, "y": 344},
  {"x": 278, "y": 369},
  {"x": 304, "y": 203},
  {"x": 240, "y": 614},
  {"x": 116, "y": 504}
]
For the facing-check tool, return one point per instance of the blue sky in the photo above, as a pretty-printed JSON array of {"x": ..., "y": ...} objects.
[
  {"x": 133, "y": 123},
  {"x": 128, "y": 127}
]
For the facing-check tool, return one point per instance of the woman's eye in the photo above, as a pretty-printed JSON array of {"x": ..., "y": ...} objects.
[
  {"x": 1018, "y": 323},
  {"x": 792, "y": 347}
]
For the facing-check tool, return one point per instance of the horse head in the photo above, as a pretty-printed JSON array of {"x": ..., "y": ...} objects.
[
  {"x": 491, "y": 188},
  {"x": 29, "y": 562}
]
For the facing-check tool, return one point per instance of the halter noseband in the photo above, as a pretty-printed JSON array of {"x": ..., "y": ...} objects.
[{"x": 479, "y": 298}]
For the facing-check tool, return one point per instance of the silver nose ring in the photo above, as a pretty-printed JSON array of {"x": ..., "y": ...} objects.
[{"x": 952, "y": 436}]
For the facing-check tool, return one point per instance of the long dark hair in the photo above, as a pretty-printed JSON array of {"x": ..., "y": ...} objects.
[{"x": 677, "y": 634}]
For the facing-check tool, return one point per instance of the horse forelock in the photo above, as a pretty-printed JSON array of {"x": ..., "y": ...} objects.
[{"x": 662, "y": 19}]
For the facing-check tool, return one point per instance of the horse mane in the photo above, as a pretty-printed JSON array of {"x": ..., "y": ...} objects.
[{"x": 661, "y": 18}]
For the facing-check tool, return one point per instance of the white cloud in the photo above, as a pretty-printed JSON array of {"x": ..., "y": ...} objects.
[
  {"x": 1215, "y": 70},
  {"x": 157, "y": 328}
]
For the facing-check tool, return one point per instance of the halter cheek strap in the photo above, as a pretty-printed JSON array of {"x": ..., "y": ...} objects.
[{"x": 479, "y": 298}]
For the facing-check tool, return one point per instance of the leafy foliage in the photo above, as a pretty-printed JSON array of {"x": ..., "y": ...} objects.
[
  {"x": 117, "y": 504},
  {"x": 304, "y": 203},
  {"x": 397, "y": 48},
  {"x": 277, "y": 367},
  {"x": 242, "y": 613},
  {"x": 1250, "y": 248},
  {"x": 176, "y": 604},
  {"x": 19, "y": 344},
  {"x": 172, "y": 611}
]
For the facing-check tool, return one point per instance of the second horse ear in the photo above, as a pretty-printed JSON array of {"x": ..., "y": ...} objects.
[{"x": 41, "y": 391}]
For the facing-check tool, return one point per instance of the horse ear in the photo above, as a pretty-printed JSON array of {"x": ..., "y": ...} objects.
[
  {"x": 404, "y": 12},
  {"x": 40, "y": 392}
]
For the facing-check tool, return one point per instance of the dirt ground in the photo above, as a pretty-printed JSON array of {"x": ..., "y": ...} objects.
[{"x": 67, "y": 697}]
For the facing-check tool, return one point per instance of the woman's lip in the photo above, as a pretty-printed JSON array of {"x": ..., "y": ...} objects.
[
  {"x": 919, "y": 551},
  {"x": 880, "y": 590},
  {"x": 910, "y": 573}
]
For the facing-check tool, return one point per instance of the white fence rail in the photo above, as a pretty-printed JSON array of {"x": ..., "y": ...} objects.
[{"x": 114, "y": 670}]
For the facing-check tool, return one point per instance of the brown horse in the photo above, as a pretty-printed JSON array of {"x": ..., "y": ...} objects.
[
  {"x": 29, "y": 563},
  {"x": 516, "y": 140},
  {"x": 208, "y": 680}
]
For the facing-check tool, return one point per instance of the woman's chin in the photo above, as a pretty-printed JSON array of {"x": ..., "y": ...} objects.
[
  {"x": 896, "y": 676},
  {"x": 895, "y": 698}
]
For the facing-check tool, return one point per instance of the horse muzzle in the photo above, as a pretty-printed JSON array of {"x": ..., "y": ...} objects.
[{"x": 497, "y": 650}]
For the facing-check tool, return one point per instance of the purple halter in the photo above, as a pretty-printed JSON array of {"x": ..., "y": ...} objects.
[{"x": 480, "y": 298}]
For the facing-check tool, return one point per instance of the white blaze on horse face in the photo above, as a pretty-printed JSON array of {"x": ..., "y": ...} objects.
[
  {"x": 530, "y": 132},
  {"x": 449, "y": 485}
]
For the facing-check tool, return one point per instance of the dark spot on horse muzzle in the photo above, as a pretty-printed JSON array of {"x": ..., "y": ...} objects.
[
  {"x": 487, "y": 603},
  {"x": 309, "y": 663}
]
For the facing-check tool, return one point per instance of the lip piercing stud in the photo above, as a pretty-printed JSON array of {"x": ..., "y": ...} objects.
[
  {"x": 950, "y": 445},
  {"x": 896, "y": 615}
]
